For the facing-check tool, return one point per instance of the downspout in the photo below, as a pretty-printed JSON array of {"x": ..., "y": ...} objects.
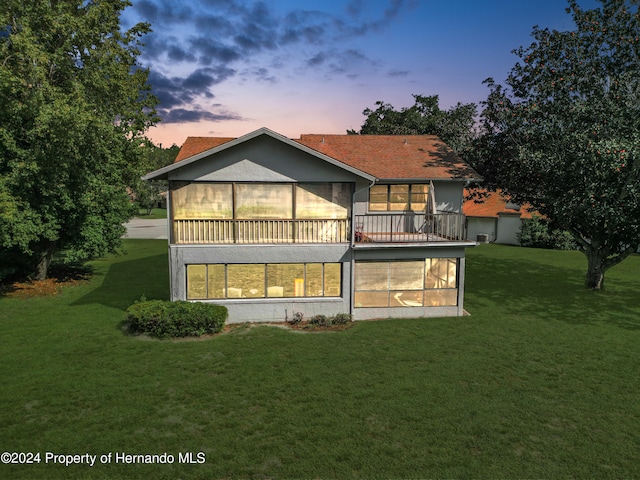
[
  {"x": 170, "y": 240},
  {"x": 353, "y": 243}
]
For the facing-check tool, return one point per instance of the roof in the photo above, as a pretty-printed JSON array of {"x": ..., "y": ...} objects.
[
  {"x": 394, "y": 157},
  {"x": 381, "y": 157},
  {"x": 494, "y": 204},
  {"x": 194, "y": 145}
]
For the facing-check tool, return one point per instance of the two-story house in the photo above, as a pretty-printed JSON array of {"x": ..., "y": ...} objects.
[{"x": 268, "y": 226}]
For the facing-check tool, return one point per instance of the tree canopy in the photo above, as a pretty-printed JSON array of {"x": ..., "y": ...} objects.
[
  {"x": 75, "y": 108},
  {"x": 564, "y": 133},
  {"x": 454, "y": 126}
]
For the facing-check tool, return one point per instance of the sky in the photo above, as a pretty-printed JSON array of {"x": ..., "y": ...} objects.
[{"x": 228, "y": 67}]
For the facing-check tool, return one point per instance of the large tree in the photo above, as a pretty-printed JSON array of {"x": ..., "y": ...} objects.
[
  {"x": 454, "y": 126},
  {"x": 565, "y": 130},
  {"x": 75, "y": 105}
]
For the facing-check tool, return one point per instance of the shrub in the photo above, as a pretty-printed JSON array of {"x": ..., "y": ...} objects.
[
  {"x": 296, "y": 319},
  {"x": 320, "y": 320},
  {"x": 537, "y": 232},
  {"x": 342, "y": 319},
  {"x": 163, "y": 319},
  {"x": 324, "y": 321}
]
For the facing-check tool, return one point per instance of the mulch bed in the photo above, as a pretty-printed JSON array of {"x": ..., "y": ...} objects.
[{"x": 60, "y": 277}]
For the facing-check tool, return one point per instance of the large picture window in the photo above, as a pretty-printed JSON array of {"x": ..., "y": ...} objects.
[
  {"x": 323, "y": 200},
  {"x": 271, "y": 280},
  {"x": 406, "y": 283},
  {"x": 263, "y": 200},
  {"x": 201, "y": 200},
  {"x": 254, "y": 201},
  {"x": 398, "y": 198}
]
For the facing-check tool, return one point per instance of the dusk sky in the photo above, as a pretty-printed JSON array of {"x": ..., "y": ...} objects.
[{"x": 228, "y": 67}]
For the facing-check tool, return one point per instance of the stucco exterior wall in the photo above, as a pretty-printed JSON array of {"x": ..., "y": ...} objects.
[
  {"x": 481, "y": 226},
  {"x": 449, "y": 196},
  {"x": 508, "y": 228}
]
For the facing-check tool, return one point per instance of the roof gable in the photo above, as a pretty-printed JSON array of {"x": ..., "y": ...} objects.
[
  {"x": 197, "y": 148},
  {"x": 374, "y": 157}
]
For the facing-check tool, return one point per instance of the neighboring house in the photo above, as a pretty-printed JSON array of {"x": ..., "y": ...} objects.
[
  {"x": 363, "y": 224},
  {"x": 494, "y": 219}
]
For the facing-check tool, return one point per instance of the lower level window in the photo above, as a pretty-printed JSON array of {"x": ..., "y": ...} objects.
[
  {"x": 263, "y": 280},
  {"x": 431, "y": 282}
]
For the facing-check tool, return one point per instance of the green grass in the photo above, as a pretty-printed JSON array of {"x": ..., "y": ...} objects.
[
  {"x": 156, "y": 213},
  {"x": 540, "y": 381}
]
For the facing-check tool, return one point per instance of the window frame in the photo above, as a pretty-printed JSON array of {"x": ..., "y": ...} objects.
[
  {"x": 347, "y": 190},
  {"x": 428, "y": 294},
  {"x": 264, "y": 289},
  {"x": 422, "y": 189}
]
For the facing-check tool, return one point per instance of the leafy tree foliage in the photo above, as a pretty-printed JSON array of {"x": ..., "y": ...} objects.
[
  {"x": 74, "y": 107},
  {"x": 565, "y": 131},
  {"x": 149, "y": 193},
  {"x": 455, "y": 126}
]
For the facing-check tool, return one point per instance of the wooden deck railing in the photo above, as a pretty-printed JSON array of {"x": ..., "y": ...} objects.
[
  {"x": 409, "y": 227},
  {"x": 378, "y": 228},
  {"x": 260, "y": 231}
]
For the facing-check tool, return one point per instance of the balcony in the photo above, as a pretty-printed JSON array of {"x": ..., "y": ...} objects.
[
  {"x": 379, "y": 228},
  {"x": 260, "y": 231},
  {"x": 411, "y": 227}
]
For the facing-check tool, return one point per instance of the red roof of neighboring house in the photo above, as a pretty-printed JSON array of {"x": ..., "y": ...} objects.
[
  {"x": 494, "y": 204},
  {"x": 382, "y": 156}
]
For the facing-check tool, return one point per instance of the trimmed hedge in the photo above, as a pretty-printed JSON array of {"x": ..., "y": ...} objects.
[{"x": 164, "y": 319}]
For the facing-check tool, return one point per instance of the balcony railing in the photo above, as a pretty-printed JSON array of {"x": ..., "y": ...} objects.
[
  {"x": 260, "y": 231},
  {"x": 374, "y": 228},
  {"x": 409, "y": 227}
]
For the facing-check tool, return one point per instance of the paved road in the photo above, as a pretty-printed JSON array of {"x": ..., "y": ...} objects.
[{"x": 139, "y": 228}]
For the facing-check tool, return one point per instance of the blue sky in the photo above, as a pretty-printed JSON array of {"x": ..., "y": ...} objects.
[{"x": 228, "y": 67}]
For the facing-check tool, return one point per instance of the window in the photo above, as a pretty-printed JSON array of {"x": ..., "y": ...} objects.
[
  {"x": 397, "y": 198},
  {"x": 263, "y": 200},
  {"x": 253, "y": 201},
  {"x": 406, "y": 283},
  {"x": 201, "y": 200},
  {"x": 323, "y": 200},
  {"x": 271, "y": 280}
]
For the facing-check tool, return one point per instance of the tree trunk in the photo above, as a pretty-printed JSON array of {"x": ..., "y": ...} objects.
[
  {"x": 595, "y": 269},
  {"x": 44, "y": 261}
]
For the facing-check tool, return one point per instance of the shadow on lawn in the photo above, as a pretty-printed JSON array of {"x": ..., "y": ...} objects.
[
  {"x": 550, "y": 292},
  {"x": 127, "y": 280}
]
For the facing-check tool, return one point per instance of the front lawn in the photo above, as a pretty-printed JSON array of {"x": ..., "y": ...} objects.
[
  {"x": 156, "y": 214},
  {"x": 540, "y": 381}
]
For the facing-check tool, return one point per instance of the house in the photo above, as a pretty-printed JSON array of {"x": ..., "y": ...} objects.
[
  {"x": 494, "y": 218},
  {"x": 324, "y": 224}
]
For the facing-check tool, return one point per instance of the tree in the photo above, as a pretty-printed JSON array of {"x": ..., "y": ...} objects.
[
  {"x": 75, "y": 105},
  {"x": 565, "y": 131},
  {"x": 148, "y": 193},
  {"x": 455, "y": 126}
]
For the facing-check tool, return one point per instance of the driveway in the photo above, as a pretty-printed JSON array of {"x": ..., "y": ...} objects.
[{"x": 138, "y": 228}]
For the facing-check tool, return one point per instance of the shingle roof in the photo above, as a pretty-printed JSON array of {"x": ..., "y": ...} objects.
[
  {"x": 393, "y": 156},
  {"x": 194, "y": 145},
  {"x": 494, "y": 204},
  {"x": 386, "y": 157}
]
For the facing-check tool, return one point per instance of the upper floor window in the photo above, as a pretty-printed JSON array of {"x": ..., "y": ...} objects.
[
  {"x": 253, "y": 201},
  {"x": 398, "y": 197}
]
